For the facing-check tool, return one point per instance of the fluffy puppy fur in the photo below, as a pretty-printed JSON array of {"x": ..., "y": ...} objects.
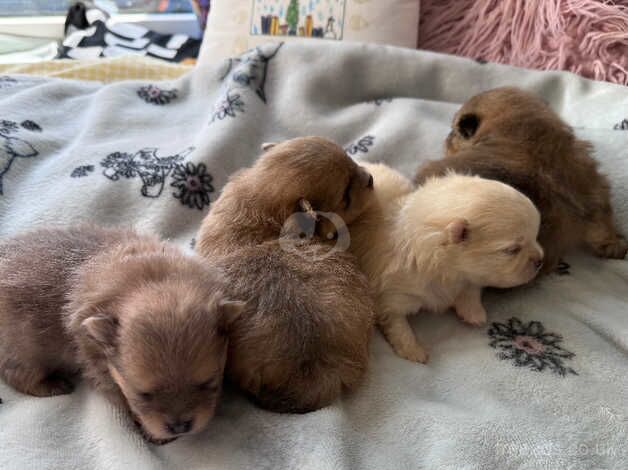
[
  {"x": 437, "y": 246},
  {"x": 303, "y": 337},
  {"x": 512, "y": 136},
  {"x": 145, "y": 324}
]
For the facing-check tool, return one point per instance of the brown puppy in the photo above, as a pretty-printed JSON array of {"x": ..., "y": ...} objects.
[
  {"x": 303, "y": 338},
  {"x": 512, "y": 136},
  {"x": 145, "y": 324}
]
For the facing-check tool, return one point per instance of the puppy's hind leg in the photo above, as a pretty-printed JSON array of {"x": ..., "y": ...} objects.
[
  {"x": 34, "y": 379},
  {"x": 400, "y": 336},
  {"x": 602, "y": 237}
]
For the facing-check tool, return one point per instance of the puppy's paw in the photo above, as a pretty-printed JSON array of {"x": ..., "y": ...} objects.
[
  {"x": 412, "y": 353},
  {"x": 148, "y": 437},
  {"x": 615, "y": 249},
  {"x": 474, "y": 318},
  {"x": 159, "y": 442}
]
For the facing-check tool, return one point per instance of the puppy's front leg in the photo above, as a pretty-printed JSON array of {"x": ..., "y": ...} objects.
[
  {"x": 469, "y": 308},
  {"x": 400, "y": 336}
]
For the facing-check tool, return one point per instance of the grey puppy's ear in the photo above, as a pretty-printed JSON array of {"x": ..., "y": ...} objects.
[
  {"x": 103, "y": 329},
  {"x": 268, "y": 145}
]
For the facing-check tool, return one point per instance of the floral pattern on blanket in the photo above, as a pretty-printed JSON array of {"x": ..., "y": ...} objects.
[
  {"x": 12, "y": 146},
  {"x": 529, "y": 345},
  {"x": 361, "y": 145},
  {"x": 248, "y": 71},
  {"x": 155, "y": 95},
  {"x": 7, "y": 82},
  {"x": 192, "y": 182},
  {"x": 621, "y": 126}
]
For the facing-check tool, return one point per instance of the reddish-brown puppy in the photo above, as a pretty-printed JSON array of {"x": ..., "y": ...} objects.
[
  {"x": 144, "y": 323},
  {"x": 512, "y": 136},
  {"x": 303, "y": 337}
]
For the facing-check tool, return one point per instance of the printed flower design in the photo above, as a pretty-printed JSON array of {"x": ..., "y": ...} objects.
[
  {"x": 13, "y": 147},
  {"x": 193, "y": 184},
  {"x": 6, "y": 127},
  {"x": 119, "y": 164},
  {"x": 7, "y": 82},
  {"x": 621, "y": 126},
  {"x": 30, "y": 125},
  {"x": 361, "y": 146},
  {"x": 528, "y": 345},
  {"x": 380, "y": 101},
  {"x": 229, "y": 106},
  {"x": 152, "y": 169},
  {"x": 81, "y": 171},
  {"x": 155, "y": 95}
]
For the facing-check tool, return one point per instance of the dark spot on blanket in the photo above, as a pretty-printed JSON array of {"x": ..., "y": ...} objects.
[
  {"x": 529, "y": 345},
  {"x": 81, "y": 171},
  {"x": 380, "y": 101},
  {"x": 193, "y": 184},
  {"x": 193, "y": 243},
  {"x": 155, "y": 95},
  {"x": 621, "y": 126},
  {"x": 563, "y": 268},
  {"x": 30, "y": 125},
  {"x": 13, "y": 146},
  {"x": 481, "y": 61},
  {"x": 361, "y": 145}
]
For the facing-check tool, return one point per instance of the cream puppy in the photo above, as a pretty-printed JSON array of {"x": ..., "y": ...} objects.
[{"x": 437, "y": 246}]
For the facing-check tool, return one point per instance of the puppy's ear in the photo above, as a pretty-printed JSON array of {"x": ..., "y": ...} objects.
[
  {"x": 268, "y": 145},
  {"x": 103, "y": 329},
  {"x": 468, "y": 125},
  {"x": 302, "y": 222},
  {"x": 457, "y": 231},
  {"x": 229, "y": 311}
]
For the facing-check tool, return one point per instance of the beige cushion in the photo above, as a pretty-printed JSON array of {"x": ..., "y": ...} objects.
[{"x": 234, "y": 26}]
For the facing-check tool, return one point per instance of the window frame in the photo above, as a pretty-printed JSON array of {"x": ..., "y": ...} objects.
[{"x": 52, "y": 26}]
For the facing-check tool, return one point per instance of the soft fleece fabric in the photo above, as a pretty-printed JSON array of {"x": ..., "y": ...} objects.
[{"x": 544, "y": 385}]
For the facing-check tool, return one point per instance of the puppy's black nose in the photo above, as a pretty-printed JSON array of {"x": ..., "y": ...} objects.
[
  {"x": 370, "y": 182},
  {"x": 179, "y": 427}
]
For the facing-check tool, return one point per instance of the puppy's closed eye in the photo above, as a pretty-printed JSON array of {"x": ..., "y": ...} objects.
[
  {"x": 512, "y": 250},
  {"x": 347, "y": 196},
  {"x": 147, "y": 396},
  {"x": 208, "y": 386}
]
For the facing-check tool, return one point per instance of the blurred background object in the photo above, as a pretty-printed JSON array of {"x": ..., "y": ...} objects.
[{"x": 60, "y": 7}]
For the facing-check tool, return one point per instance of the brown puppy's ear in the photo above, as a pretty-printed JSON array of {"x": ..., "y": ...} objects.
[
  {"x": 302, "y": 222},
  {"x": 467, "y": 125},
  {"x": 457, "y": 231},
  {"x": 268, "y": 145},
  {"x": 306, "y": 207},
  {"x": 103, "y": 329},
  {"x": 230, "y": 311}
]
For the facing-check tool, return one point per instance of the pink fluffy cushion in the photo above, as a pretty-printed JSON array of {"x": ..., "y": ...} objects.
[{"x": 588, "y": 37}]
